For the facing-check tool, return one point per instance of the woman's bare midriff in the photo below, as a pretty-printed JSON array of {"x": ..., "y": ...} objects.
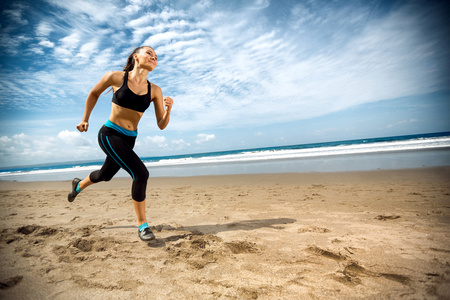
[{"x": 125, "y": 117}]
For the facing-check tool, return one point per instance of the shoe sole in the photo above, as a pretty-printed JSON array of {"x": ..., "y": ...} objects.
[
  {"x": 147, "y": 240},
  {"x": 75, "y": 182}
]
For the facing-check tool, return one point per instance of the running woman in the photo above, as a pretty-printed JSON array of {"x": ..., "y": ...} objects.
[{"x": 133, "y": 94}]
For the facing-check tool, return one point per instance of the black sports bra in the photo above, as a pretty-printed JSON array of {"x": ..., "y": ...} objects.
[{"x": 127, "y": 98}]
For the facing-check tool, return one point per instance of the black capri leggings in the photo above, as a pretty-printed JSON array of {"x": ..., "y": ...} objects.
[{"x": 119, "y": 152}]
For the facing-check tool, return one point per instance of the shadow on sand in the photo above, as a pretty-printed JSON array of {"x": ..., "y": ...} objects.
[{"x": 216, "y": 228}]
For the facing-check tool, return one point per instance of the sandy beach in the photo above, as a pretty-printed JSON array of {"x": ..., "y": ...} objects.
[{"x": 350, "y": 235}]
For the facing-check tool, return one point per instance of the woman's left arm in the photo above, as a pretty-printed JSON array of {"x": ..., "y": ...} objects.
[{"x": 163, "y": 107}]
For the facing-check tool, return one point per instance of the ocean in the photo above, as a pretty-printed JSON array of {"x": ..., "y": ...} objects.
[{"x": 399, "y": 152}]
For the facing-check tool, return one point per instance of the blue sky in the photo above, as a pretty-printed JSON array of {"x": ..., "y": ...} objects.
[{"x": 243, "y": 74}]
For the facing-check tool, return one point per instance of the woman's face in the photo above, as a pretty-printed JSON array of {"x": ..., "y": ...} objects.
[{"x": 146, "y": 58}]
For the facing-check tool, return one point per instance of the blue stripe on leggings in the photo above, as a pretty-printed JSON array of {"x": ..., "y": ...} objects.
[{"x": 101, "y": 135}]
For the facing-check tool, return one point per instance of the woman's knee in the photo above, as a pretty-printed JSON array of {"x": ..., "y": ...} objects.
[
  {"x": 142, "y": 174},
  {"x": 107, "y": 178},
  {"x": 98, "y": 176},
  {"x": 140, "y": 185}
]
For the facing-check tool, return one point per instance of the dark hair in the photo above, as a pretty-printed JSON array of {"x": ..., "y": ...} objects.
[{"x": 130, "y": 61}]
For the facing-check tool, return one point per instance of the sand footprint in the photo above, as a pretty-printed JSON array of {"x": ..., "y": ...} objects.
[
  {"x": 385, "y": 218},
  {"x": 354, "y": 270},
  {"x": 238, "y": 247},
  {"x": 200, "y": 250},
  {"x": 325, "y": 253},
  {"x": 10, "y": 282},
  {"x": 313, "y": 229}
]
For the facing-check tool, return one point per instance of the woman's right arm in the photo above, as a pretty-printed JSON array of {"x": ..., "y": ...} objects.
[{"x": 107, "y": 80}]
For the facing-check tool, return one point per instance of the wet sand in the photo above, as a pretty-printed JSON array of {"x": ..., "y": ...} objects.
[{"x": 349, "y": 235}]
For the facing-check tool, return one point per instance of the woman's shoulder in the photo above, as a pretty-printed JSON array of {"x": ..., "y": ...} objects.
[
  {"x": 154, "y": 87},
  {"x": 156, "y": 91},
  {"x": 114, "y": 74},
  {"x": 113, "y": 77}
]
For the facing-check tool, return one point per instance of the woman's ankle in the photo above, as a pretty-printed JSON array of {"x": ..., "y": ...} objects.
[{"x": 143, "y": 226}]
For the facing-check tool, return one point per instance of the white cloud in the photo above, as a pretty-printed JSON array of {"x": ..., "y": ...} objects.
[
  {"x": 32, "y": 149},
  {"x": 258, "y": 4},
  {"x": 159, "y": 141},
  {"x": 136, "y": 5},
  {"x": 180, "y": 144},
  {"x": 170, "y": 37},
  {"x": 71, "y": 41},
  {"x": 87, "y": 50},
  {"x": 99, "y": 12},
  {"x": 46, "y": 43},
  {"x": 43, "y": 29},
  {"x": 200, "y": 7},
  {"x": 73, "y": 138},
  {"x": 16, "y": 14},
  {"x": 37, "y": 50},
  {"x": 159, "y": 145},
  {"x": 169, "y": 13},
  {"x": 5, "y": 142},
  {"x": 203, "y": 137},
  {"x": 104, "y": 59},
  {"x": 13, "y": 43},
  {"x": 22, "y": 140}
]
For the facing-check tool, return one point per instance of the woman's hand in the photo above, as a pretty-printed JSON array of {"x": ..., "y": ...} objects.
[
  {"x": 168, "y": 102},
  {"x": 83, "y": 126}
]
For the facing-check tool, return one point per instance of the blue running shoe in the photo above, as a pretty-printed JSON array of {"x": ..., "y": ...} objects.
[
  {"x": 73, "y": 193},
  {"x": 146, "y": 234}
]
